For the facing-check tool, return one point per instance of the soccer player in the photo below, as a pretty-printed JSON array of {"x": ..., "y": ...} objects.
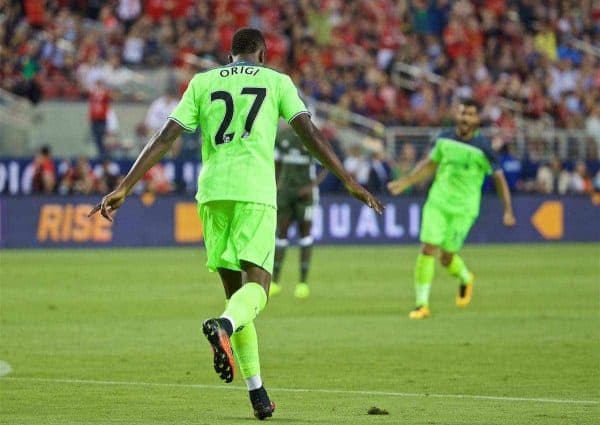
[
  {"x": 297, "y": 193},
  {"x": 460, "y": 159},
  {"x": 237, "y": 108}
]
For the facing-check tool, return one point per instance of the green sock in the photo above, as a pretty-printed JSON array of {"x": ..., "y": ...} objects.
[
  {"x": 245, "y": 304},
  {"x": 424, "y": 271},
  {"x": 245, "y": 348},
  {"x": 458, "y": 269}
]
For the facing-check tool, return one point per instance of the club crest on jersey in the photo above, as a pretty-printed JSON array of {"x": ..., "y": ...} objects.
[{"x": 235, "y": 70}]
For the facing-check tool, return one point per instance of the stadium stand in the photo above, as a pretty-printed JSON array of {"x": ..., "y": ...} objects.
[{"x": 394, "y": 67}]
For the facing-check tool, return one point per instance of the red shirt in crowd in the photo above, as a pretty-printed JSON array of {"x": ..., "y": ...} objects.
[
  {"x": 455, "y": 39},
  {"x": 43, "y": 171},
  {"x": 156, "y": 9},
  {"x": 34, "y": 10},
  {"x": 99, "y": 103}
]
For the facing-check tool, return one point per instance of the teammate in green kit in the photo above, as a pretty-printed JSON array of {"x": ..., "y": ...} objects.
[
  {"x": 297, "y": 193},
  {"x": 460, "y": 159},
  {"x": 237, "y": 108}
]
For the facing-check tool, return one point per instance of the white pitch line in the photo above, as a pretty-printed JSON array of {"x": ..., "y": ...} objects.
[{"x": 302, "y": 390}]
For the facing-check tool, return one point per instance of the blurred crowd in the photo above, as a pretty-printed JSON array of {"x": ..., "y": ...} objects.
[
  {"x": 401, "y": 62},
  {"x": 373, "y": 168},
  {"x": 79, "y": 177},
  {"x": 541, "y": 58}
]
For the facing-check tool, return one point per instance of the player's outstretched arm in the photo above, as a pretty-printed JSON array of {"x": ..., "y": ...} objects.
[
  {"x": 154, "y": 150},
  {"x": 320, "y": 148},
  {"x": 504, "y": 192},
  {"x": 423, "y": 170}
]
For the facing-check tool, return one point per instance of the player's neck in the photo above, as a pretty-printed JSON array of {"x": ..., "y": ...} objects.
[
  {"x": 246, "y": 58},
  {"x": 467, "y": 135}
]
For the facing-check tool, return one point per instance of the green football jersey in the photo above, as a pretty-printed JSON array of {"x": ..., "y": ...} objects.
[
  {"x": 237, "y": 108},
  {"x": 298, "y": 168},
  {"x": 462, "y": 167}
]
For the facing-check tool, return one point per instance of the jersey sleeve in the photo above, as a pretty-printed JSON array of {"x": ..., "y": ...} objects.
[
  {"x": 187, "y": 111},
  {"x": 492, "y": 157},
  {"x": 290, "y": 104},
  {"x": 435, "y": 154}
]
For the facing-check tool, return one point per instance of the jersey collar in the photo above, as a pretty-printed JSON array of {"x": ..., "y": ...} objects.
[
  {"x": 462, "y": 139},
  {"x": 242, "y": 62}
]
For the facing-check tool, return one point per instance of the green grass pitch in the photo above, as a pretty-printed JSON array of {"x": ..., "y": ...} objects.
[{"x": 113, "y": 337}]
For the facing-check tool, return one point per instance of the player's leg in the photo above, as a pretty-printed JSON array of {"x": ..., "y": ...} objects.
[
  {"x": 306, "y": 243},
  {"x": 216, "y": 219},
  {"x": 433, "y": 225},
  {"x": 453, "y": 263},
  {"x": 245, "y": 304},
  {"x": 284, "y": 219},
  {"x": 244, "y": 342},
  {"x": 281, "y": 244},
  {"x": 423, "y": 278},
  {"x": 261, "y": 403},
  {"x": 251, "y": 247}
]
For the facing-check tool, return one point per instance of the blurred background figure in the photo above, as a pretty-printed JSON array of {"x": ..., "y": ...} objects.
[
  {"x": 107, "y": 176},
  {"x": 581, "y": 182},
  {"x": 79, "y": 179},
  {"x": 357, "y": 164},
  {"x": 157, "y": 115},
  {"x": 156, "y": 181},
  {"x": 44, "y": 172},
  {"x": 380, "y": 172},
  {"x": 99, "y": 105},
  {"x": 552, "y": 178}
]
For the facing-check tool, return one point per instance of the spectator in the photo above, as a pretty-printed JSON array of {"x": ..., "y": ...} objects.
[
  {"x": 135, "y": 44},
  {"x": 128, "y": 11},
  {"x": 160, "y": 110},
  {"x": 79, "y": 179},
  {"x": 357, "y": 165},
  {"x": 380, "y": 172},
  {"x": 99, "y": 101},
  {"x": 156, "y": 181},
  {"x": 90, "y": 72},
  {"x": 108, "y": 176},
  {"x": 115, "y": 75},
  {"x": 406, "y": 161},
  {"x": 511, "y": 166},
  {"x": 44, "y": 172},
  {"x": 552, "y": 178},
  {"x": 592, "y": 125},
  {"x": 581, "y": 182},
  {"x": 596, "y": 182}
]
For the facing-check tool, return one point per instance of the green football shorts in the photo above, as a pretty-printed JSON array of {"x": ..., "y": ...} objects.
[
  {"x": 292, "y": 207},
  {"x": 443, "y": 229},
  {"x": 238, "y": 231}
]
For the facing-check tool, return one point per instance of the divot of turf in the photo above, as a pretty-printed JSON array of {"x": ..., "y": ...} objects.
[{"x": 377, "y": 411}]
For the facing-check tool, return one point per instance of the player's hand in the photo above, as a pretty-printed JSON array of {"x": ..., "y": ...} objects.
[
  {"x": 363, "y": 195},
  {"x": 109, "y": 204},
  {"x": 396, "y": 187},
  {"x": 509, "y": 219}
]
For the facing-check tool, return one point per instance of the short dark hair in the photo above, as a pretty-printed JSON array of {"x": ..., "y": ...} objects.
[
  {"x": 247, "y": 40},
  {"x": 45, "y": 150},
  {"x": 469, "y": 102}
]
